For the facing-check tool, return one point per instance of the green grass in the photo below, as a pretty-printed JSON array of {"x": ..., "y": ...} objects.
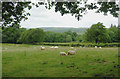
[{"x": 20, "y": 60}]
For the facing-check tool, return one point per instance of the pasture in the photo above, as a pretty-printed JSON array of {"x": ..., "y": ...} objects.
[{"x": 21, "y": 60}]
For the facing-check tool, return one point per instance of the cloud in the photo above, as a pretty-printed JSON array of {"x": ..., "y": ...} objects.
[{"x": 43, "y": 17}]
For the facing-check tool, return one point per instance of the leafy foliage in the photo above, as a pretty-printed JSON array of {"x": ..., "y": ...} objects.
[
  {"x": 10, "y": 35},
  {"x": 32, "y": 36},
  {"x": 109, "y": 7},
  {"x": 68, "y": 36},
  {"x": 113, "y": 33},
  {"x": 78, "y": 9},
  {"x": 14, "y": 12},
  {"x": 97, "y": 33}
]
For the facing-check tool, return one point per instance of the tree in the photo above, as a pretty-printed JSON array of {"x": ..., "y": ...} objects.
[
  {"x": 32, "y": 36},
  {"x": 68, "y": 38},
  {"x": 57, "y": 37},
  {"x": 0, "y": 35},
  {"x": 79, "y": 38},
  {"x": 97, "y": 33},
  {"x": 72, "y": 34},
  {"x": 13, "y": 13},
  {"x": 10, "y": 35},
  {"x": 74, "y": 8},
  {"x": 49, "y": 36},
  {"x": 113, "y": 33}
]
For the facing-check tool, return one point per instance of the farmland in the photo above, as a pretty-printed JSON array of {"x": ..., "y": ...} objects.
[{"x": 22, "y": 60}]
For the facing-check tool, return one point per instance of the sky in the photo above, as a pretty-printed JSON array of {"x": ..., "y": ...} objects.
[{"x": 42, "y": 17}]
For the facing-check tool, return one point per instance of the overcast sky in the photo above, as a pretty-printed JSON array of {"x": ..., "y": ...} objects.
[{"x": 41, "y": 17}]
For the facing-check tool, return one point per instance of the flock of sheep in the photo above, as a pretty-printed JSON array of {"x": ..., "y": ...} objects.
[{"x": 70, "y": 52}]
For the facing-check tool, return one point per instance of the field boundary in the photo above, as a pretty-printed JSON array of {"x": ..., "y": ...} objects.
[{"x": 84, "y": 44}]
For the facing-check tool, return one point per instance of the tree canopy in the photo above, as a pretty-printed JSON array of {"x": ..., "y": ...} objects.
[
  {"x": 97, "y": 33},
  {"x": 68, "y": 36},
  {"x": 14, "y": 12},
  {"x": 78, "y": 9},
  {"x": 32, "y": 36},
  {"x": 113, "y": 33},
  {"x": 10, "y": 35}
]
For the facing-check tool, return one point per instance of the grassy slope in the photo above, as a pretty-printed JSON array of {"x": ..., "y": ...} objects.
[
  {"x": 62, "y": 29},
  {"x": 30, "y": 61}
]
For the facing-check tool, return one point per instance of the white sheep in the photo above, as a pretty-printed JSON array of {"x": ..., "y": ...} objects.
[
  {"x": 72, "y": 52},
  {"x": 95, "y": 46},
  {"x": 42, "y": 48},
  {"x": 6, "y": 48},
  {"x": 52, "y": 47},
  {"x": 56, "y": 47},
  {"x": 84, "y": 47},
  {"x": 71, "y": 47},
  {"x": 80, "y": 46},
  {"x": 63, "y": 54},
  {"x": 100, "y": 47}
]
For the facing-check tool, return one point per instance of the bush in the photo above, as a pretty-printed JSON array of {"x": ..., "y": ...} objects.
[{"x": 84, "y": 44}]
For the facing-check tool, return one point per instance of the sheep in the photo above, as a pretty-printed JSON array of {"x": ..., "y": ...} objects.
[
  {"x": 6, "y": 48},
  {"x": 95, "y": 46},
  {"x": 56, "y": 47},
  {"x": 84, "y": 47},
  {"x": 63, "y": 54},
  {"x": 71, "y": 47},
  {"x": 100, "y": 47},
  {"x": 42, "y": 48},
  {"x": 52, "y": 47},
  {"x": 80, "y": 46},
  {"x": 72, "y": 52}
]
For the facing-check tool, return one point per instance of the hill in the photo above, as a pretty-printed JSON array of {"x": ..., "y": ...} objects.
[{"x": 64, "y": 29}]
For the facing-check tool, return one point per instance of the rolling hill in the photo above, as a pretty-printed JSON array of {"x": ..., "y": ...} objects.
[{"x": 64, "y": 29}]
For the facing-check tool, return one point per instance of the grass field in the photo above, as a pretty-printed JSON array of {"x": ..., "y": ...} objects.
[{"x": 20, "y": 60}]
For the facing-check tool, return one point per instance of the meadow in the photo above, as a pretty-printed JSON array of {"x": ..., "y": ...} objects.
[{"x": 22, "y": 60}]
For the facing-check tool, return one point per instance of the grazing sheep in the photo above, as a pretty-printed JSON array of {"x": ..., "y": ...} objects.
[
  {"x": 80, "y": 46},
  {"x": 6, "y": 48},
  {"x": 95, "y": 46},
  {"x": 52, "y": 47},
  {"x": 84, "y": 47},
  {"x": 42, "y": 48},
  {"x": 63, "y": 54},
  {"x": 71, "y": 47},
  {"x": 100, "y": 47},
  {"x": 72, "y": 52},
  {"x": 56, "y": 47}
]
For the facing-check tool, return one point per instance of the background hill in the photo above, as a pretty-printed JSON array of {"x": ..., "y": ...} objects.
[{"x": 64, "y": 29}]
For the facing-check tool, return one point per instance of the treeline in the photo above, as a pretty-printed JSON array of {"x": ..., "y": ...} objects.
[
  {"x": 97, "y": 33},
  {"x": 60, "y": 37}
]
